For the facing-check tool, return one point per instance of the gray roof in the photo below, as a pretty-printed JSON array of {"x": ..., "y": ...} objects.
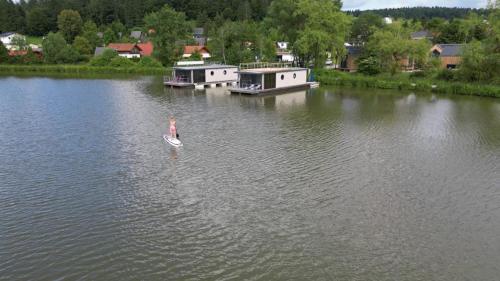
[
  {"x": 206, "y": 66},
  {"x": 421, "y": 34},
  {"x": 201, "y": 41},
  {"x": 450, "y": 50},
  {"x": 198, "y": 31},
  {"x": 136, "y": 34},
  {"x": 5, "y": 34},
  {"x": 99, "y": 50}
]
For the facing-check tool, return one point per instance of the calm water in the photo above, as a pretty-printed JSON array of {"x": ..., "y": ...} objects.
[{"x": 332, "y": 184}]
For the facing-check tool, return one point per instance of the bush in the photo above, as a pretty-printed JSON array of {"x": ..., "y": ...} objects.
[
  {"x": 104, "y": 59},
  {"x": 121, "y": 62},
  {"x": 67, "y": 55},
  {"x": 446, "y": 75},
  {"x": 149, "y": 62},
  {"x": 369, "y": 66}
]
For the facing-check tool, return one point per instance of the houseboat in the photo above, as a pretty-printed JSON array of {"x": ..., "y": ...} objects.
[
  {"x": 263, "y": 78},
  {"x": 200, "y": 76}
]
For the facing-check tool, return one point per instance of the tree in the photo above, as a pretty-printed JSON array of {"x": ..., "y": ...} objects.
[
  {"x": 170, "y": 28},
  {"x": 4, "y": 53},
  {"x": 19, "y": 42},
  {"x": 89, "y": 32},
  {"x": 104, "y": 59},
  {"x": 325, "y": 30},
  {"x": 364, "y": 26},
  {"x": 52, "y": 45},
  {"x": 109, "y": 36},
  {"x": 82, "y": 45},
  {"x": 392, "y": 47},
  {"x": 70, "y": 24},
  {"x": 39, "y": 22},
  {"x": 67, "y": 55}
]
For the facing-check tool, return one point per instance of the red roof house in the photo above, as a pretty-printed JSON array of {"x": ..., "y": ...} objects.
[
  {"x": 146, "y": 49},
  {"x": 189, "y": 50},
  {"x": 128, "y": 50}
]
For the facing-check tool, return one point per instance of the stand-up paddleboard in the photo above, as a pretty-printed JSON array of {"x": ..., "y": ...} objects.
[{"x": 172, "y": 141}]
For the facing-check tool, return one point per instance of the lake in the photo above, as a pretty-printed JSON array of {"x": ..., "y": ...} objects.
[{"x": 325, "y": 184}]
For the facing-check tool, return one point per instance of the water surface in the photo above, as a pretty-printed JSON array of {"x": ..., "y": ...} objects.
[{"x": 329, "y": 184}]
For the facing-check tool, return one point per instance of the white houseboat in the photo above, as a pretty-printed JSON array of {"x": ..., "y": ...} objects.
[
  {"x": 263, "y": 78},
  {"x": 200, "y": 76}
]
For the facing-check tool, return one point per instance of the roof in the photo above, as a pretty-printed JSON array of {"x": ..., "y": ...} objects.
[
  {"x": 421, "y": 34},
  {"x": 5, "y": 34},
  {"x": 122, "y": 47},
  {"x": 99, "y": 50},
  {"x": 450, "y": 50},
  {"x": 136, "y": 34},
  {"x": 200, "y": 41},
  {"x": 14, "y": 53},
  {"x": 193, "y": 49},
  {"x": 207, "y": 66},
  {"x": 146, "y": 48},
  {"x": 271, "y": 70},
  {"x": 198, "y": 31}
]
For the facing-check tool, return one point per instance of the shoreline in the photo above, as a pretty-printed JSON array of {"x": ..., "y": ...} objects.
[
  {"x": 80, "y": 69},
  {"x": 336, "y": 78}
]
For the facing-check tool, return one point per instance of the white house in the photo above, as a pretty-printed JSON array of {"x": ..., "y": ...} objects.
[
  {"x": 7, "y": 38},
  {"x": 282, "y": 45}
]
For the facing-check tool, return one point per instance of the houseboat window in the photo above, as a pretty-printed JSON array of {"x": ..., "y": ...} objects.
[
  {"x": 211, "y": 73},
  {"x": 282, "y": 76},
  {"x": 294, "y": 75},
  {"x": 225, "y": 72}
]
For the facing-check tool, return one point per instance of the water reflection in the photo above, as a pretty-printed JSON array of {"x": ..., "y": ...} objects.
[{"x": 311, "y": 185}]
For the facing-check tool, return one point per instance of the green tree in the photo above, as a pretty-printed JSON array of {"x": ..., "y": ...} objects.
[
  {"x": 67, "y": 55},
  {"x": 170, "y": 28},
  {"x": 52, "y": 45},
  {"x": 70, "y": 24},
  {"x": 4, "y": 53},
  {"x": 364, "y": 26},
  {"x": 148, "y": 62},
  {"x": 19, "y": 42},
  {"x": 82, "y": 45},
  {"x": 39, "y": 22},
  {"x": 109, "y": 36},
  {"x": 104, "y": 59},
  {"x": 325, "y": 30},
  {"x": 89, "y": 32}
]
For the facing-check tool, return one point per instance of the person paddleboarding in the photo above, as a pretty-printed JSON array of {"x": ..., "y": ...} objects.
[{"x": 173, "y": 137}]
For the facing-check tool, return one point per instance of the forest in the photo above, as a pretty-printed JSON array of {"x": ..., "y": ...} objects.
[{"x": 247, "y": 30}]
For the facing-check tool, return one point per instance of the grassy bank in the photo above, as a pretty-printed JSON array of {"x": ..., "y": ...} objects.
[
  {"x": 81, "y": 69},
  {"x": 405, "y": 82}
]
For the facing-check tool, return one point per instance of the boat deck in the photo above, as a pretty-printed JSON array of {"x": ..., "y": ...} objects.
[{"x": 246, "y": 91}]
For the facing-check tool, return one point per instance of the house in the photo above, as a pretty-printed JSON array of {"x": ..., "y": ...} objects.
[
  {"x": 264, "y": 78},
  {"x": 349, "y": 62},
  {"x": 282, "y": 45},
  {"x": 199, "y": 76},
  {"x": 199, "y": 36},
  {"x": 189, "y": 50},
  {"x": 127, "y": 50},
  {"x": 388, "y": 20},
  {"x": 424, "y": 34},
  {"x": 8, "y": 37},
  {"x": 449, "y": 54},
  {"x": 146, "y": 49},
  {"x": 282, "y": 52}
]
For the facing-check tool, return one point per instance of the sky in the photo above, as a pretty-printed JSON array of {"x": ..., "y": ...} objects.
[{"x": 380, "y": 4}]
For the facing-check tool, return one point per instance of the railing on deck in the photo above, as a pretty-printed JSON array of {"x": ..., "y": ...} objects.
[
  {"x": 177, "y": 79},
  {"x": 253, "y": 65}
]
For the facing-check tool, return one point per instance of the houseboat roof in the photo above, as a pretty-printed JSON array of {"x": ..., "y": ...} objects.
[
  {"x": 271, "y": 70},
  {"x": 203, "y": 66}
]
